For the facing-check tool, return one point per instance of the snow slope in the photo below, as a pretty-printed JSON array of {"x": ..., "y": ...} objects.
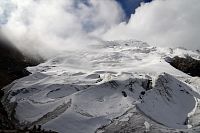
[{"x": 79, "y": 92}]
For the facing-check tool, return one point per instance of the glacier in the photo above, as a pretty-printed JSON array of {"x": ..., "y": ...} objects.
[{"x": 113, "y": 86}]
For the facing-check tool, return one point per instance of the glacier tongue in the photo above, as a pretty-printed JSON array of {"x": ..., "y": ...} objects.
[{"x": 80, "y": 92}]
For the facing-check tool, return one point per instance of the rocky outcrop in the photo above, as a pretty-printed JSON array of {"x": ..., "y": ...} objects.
[{"x": 187, "y": 65}]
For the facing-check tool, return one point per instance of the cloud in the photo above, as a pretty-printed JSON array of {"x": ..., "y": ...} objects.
[
  {"x": 46, "y": 26},
  {"x": 171, "y": 23}
]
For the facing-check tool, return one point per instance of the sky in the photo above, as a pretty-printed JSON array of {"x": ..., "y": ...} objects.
[
  {"x": 129, "y": 6},
  {"x": 41, "y": 27}
]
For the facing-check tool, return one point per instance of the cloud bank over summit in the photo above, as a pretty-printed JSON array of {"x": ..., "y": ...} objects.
[
  {"x": 46, "y": 27},
  {"x": 54, "y": 25},
  {"x": 171, "y": 23}
]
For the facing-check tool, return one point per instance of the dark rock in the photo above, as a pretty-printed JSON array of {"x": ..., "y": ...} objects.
[
  {"x": 142, "y": 93},
  {"x": 187, "y": 65},
  {"x": 124, "y": 94},
  {"x": 147, "y": 85}
]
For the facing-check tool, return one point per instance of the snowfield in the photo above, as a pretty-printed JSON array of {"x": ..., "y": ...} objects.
[{"x": 112, "y": 84}]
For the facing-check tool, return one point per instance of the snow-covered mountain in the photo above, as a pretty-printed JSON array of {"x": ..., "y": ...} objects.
[{"x": 114, "y": 86}]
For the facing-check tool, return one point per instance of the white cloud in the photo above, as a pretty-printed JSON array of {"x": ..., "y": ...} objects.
[
  {"x": 170, "y": 23},
  {"x": 47, "y": 26}
]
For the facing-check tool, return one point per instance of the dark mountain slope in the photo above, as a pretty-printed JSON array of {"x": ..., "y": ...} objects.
[
  {"x": 12, "y": 67},
  {"x": 12, "y": 63}
]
